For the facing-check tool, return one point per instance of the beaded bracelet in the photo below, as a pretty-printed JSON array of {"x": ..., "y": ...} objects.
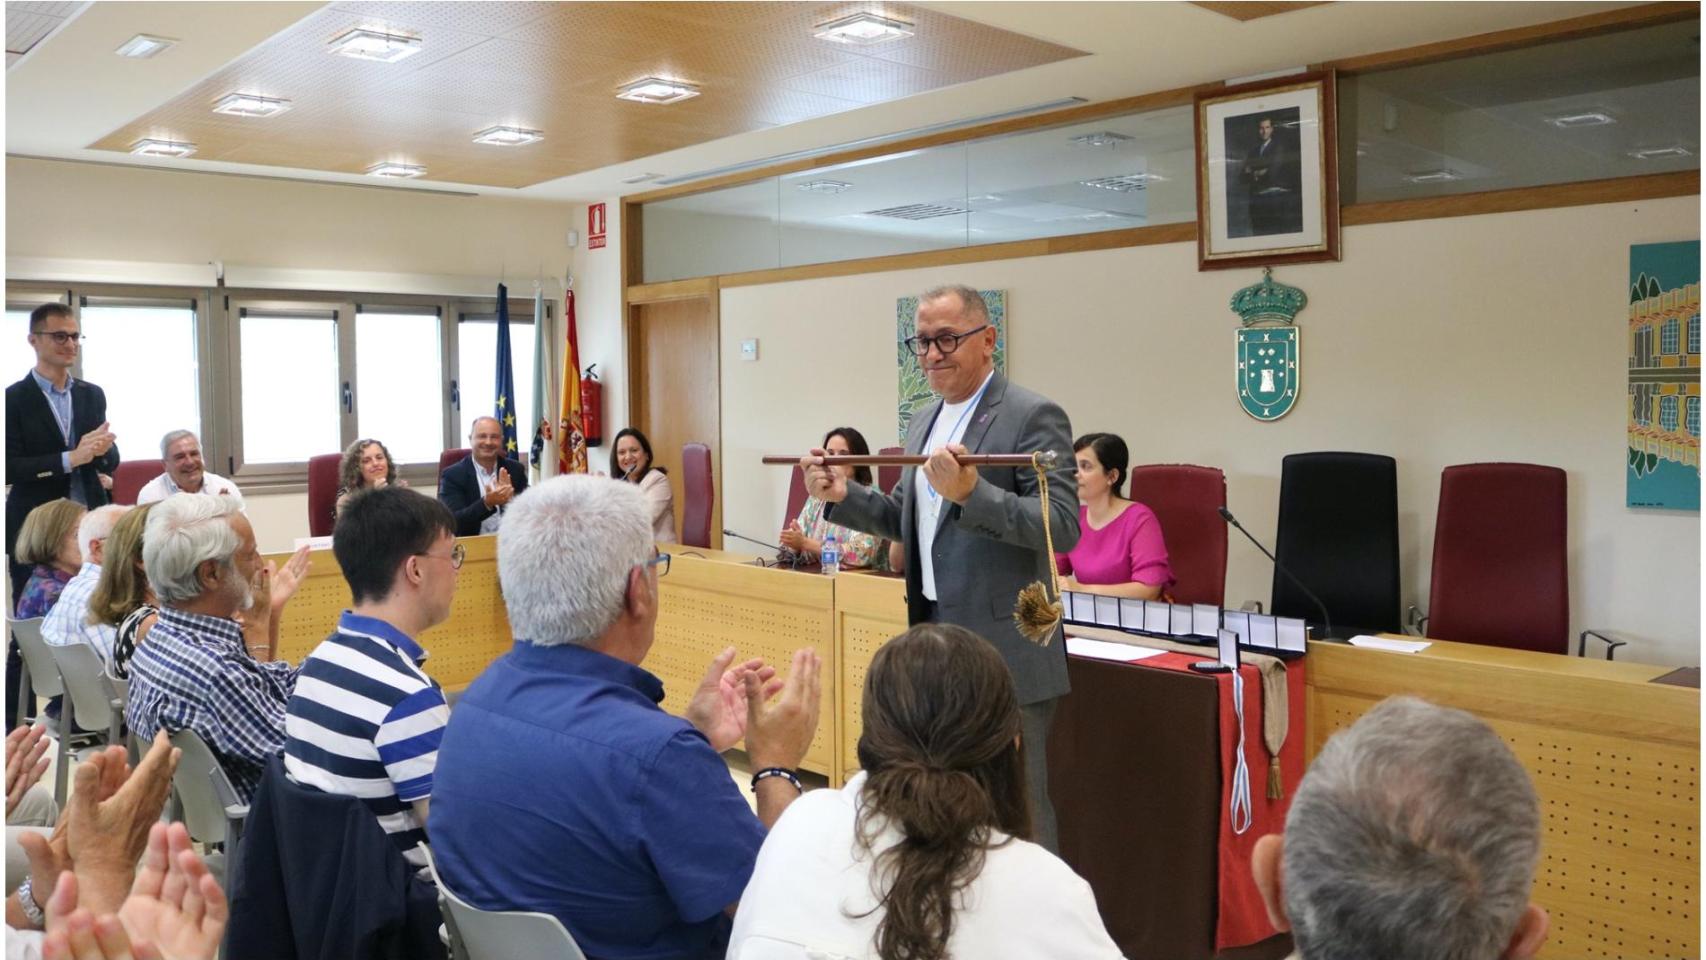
[{"x": 782, "y": 772}]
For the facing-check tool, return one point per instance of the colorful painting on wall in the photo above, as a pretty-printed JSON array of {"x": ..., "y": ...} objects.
[
  {"x": 1663, "y": 465},
  {"x": 915, "y": 394}
]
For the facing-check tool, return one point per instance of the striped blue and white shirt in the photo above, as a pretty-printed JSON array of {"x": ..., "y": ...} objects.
[
  {"x": 68, "y": 621},
  {"x": 365, "y": 722},
  {"x": 195, "y": 674}
]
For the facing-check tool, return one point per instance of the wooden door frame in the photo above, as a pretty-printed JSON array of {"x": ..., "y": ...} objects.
[{"x": 708, "y": 290}]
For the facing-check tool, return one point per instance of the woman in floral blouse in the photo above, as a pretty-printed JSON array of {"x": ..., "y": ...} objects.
[
  {"x": 805, "y": 535},
  {"x": 48, "y": 541}
]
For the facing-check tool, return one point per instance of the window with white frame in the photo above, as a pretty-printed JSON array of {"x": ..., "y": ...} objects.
[
  {"x": 477, "y": 375},
  {"x": 1693, "y": 416},
  {"x": 399, "y": 389},
  {"x": 1694, "y": 334},
  {"x": 291, "y": 400},
  {"x": 1667, "y": 413},
  {"x": 143, "y": 355},
  {"x": 1670, "y": 340}
]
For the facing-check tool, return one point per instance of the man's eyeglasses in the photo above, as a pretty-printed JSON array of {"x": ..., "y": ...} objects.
[
  {"x": 62, "y": 337},
  {"x": 661, "y": 561},
  {"x": 457, "y": 553},
  {"x": 945, "y": 343}
]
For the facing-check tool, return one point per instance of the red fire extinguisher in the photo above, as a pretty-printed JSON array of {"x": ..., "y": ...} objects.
[{"x": 592, "y": 407}]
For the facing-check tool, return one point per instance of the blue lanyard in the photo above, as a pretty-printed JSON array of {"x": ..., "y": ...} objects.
[{"x": 928, "y": 489}]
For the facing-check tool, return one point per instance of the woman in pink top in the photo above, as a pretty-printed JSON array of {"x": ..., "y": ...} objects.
[{"x": 1120, "y": 550}]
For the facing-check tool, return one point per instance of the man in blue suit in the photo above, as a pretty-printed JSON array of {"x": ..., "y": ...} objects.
[{"x": 479, "y": 487}]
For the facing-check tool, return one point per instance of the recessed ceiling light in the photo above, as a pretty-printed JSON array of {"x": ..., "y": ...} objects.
[
  {"x": 863, "y": 28},
  {"x": 1661, "y": 153},
  {"x": 656, "y": 90},
  {"x": 396, "y": 171},
  {"x": 1104, "y": 138},
  {"x": 142, "y": 46},
  {"x": 984, "y": 198},
  {"x": 248, "y": 105},
  {"x": 175, "y": 149},
  {"x": 508, "y": 136},
  {"x": 641, "y": 177},
  {"x": 1433, "y": 176},
  {"x": 1124, "y": 183},
  {"x": 1587, "y": 118},
  {"x": 364, "y": 44},
  {"x": 824, "y": 186}
]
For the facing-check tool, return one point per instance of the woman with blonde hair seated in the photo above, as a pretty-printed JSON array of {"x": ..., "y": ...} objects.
[
  {"x": 48, "y": 543},
  {"x": 923, "y": 855},
  {"x": 122, "y": 598}
]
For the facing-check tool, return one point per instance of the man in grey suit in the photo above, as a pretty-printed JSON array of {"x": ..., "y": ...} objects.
[{"x": 974, "y": 538}]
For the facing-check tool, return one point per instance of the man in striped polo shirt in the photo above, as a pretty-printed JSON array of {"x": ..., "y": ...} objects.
[{"x": 365, "y": 719}]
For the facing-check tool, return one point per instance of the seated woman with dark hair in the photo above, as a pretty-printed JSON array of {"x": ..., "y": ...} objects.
[
  {"x": 805, "y": 534},
  {"x": 1120, "y": 549},
  {"x": 631, "y": 460},
  {"x": 923, "y": 855},
  {"x": 367, "y": 465}
]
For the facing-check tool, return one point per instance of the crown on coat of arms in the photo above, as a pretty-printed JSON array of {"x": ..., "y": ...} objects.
[{"x": 1268, "y": 301}]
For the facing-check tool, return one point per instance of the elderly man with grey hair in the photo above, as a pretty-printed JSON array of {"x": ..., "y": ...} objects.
[
  {"x": 561, "y": 785},
  {"x": 180, "y": 454},
  {"x": 1414, "y": 836},
  {"x": 201, "y": 669}
]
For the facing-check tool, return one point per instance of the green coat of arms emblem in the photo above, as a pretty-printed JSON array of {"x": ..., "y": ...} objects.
[{"x": 1269, "y": 348}]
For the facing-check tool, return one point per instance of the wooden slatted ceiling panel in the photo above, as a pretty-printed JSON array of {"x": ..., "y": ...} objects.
[{"x": 555, "y": 67}]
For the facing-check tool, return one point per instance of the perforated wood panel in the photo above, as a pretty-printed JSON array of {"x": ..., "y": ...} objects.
[
  {"x": 707, "y": 605},
  {"x": 869, "y": 612},
  {"x": 1620, "y": 864},
  {"x": 476, "y": 633},
  {"x": 555, "y": 67}
]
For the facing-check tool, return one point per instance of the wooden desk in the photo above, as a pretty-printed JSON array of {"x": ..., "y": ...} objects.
[
  {"x": 1614, "y": 757},
  {"x": 714, "y": 599}
]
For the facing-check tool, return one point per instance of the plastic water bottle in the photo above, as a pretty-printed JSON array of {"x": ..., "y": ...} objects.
[{"x": 831, "y": 556}]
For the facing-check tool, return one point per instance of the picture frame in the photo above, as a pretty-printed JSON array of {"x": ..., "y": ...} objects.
[{"x": 1268, "y": 172}]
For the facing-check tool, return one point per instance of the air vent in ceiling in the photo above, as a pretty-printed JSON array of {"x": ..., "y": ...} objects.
[
  {"x": 1124, "y": 183},
  {"x": 918, "y": 211}
]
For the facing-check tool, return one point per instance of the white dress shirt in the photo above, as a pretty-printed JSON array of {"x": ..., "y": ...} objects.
[
  {"x": 162, "y": 487},
  {"x": 487, "y": 479},
  {"x": 950, "y": 427},
  {"x": 68, "y": 621},
  {"x": 810, "y": 895}
]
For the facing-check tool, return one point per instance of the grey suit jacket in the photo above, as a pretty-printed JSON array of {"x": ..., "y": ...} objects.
[{"x": 992, "y": 546}]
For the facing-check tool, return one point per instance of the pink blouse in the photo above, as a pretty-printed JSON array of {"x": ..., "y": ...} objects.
[{"x": 1127, "y": 549}]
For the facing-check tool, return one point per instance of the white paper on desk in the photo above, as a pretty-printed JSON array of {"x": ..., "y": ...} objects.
[
  {"x": 1387, "y": 643},
  {"x": 1293, "y": 634},
  {"x": 1108, "y": 650},
  {"x": 1066, "y": 611},
  {"x": 1262, "y": 629},
  {"x": 1108, "y": 612},
  {"x": 313, "y": 543},
  {"x": 1181, "y": 622},
  {"x": 1157, "y": 616}
]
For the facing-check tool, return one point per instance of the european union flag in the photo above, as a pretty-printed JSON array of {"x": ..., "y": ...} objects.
[{"x": 505, "y": 411}]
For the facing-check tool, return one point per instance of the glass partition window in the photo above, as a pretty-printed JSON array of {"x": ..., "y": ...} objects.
[
  {"x": 291, "y": 397},
  {"x": 731, "y": 230},
  {"x": 477, "y": 351},
  {"x": 1611, "y": 105},
  {"x": 901, "y": 203},
  {"x": 145, "y": 400},
  {"x": 398, "y": 384}
]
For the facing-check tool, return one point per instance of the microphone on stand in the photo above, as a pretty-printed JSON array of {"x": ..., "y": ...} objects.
[
  {"x": 793, "y": 558},
  {"x": 1326, "y": 620}
]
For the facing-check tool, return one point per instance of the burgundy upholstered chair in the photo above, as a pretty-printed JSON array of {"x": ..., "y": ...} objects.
[
  {"x": 323, "y": 493},
  {"x": 1187, "y": 500},
  {"x": 887, "y": 477},
  {"x": 131, "y": 476},
  {"x": 1501, "y": 567},
  {"x": 450, "y": 458},
  {"x": 699, "y": 495}
]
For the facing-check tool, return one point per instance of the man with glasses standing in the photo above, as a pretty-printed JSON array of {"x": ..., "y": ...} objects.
[
  {"x": 365, "y": 719},
  {"x": 57, "y": 445},
  {"x": 974, "y": 538}
]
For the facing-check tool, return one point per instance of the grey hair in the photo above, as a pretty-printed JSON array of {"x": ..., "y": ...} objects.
[
  {"x": 1414, "y": 836},
  {"x": 972, "y": 306},
  {"x": 173, "y": 437},
  {"x": 476, "y": 422},
  {"x": 184, "y": 531},
  {"x": 98, "y": 524},
  {"x": 564, "y": 553}
]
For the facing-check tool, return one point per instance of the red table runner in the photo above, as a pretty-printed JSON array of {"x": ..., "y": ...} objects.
[{"x": 1241, "y": 918}]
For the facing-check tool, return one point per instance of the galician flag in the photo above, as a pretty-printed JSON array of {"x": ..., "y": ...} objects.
[
  {"x": 571, "y": 442},
  {"x": 504, "y": 408}
]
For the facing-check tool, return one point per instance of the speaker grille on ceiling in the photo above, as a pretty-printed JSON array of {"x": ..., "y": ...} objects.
[{"x": 918, "y": 211}]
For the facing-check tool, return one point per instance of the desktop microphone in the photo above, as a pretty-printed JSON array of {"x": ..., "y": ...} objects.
[
  {"x": 793, "y": 557},
  {"x": 1226, "y": 515}
]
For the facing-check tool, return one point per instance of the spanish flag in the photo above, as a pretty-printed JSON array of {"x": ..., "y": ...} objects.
[{"x": 571, "y": 440}]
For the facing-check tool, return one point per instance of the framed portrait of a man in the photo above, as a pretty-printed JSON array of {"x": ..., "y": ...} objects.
[{"x": 1267, "y": 173}]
